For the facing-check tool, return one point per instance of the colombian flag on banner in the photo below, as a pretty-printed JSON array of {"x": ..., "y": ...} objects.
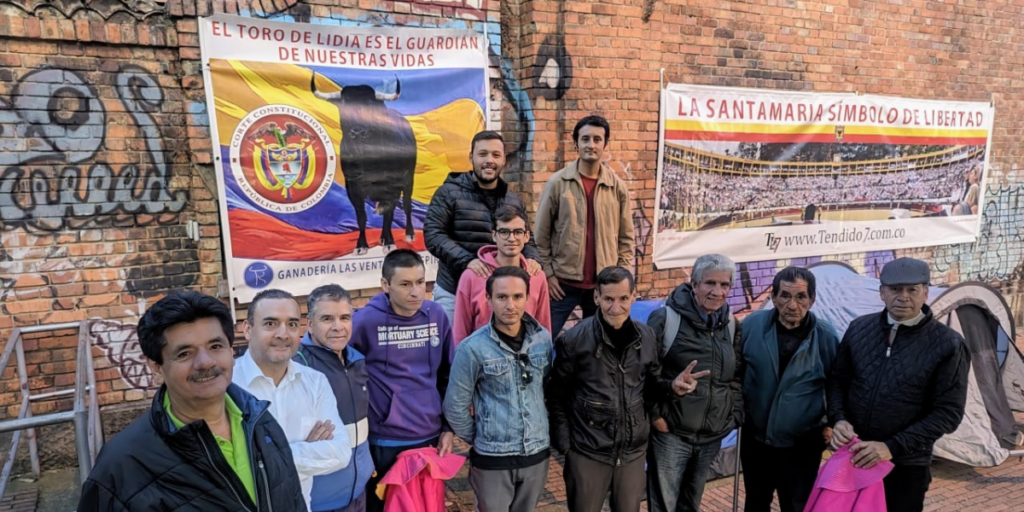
[{"x": 327, "y": 135}]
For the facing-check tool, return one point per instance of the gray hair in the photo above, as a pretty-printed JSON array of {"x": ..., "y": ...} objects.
[
  {"x": 712, "y": 263},
  {"x": 331, "y": 292}
]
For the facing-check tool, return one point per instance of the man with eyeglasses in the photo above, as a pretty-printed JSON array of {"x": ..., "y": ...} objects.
[
  {"x": 472, "y": 307},
  {"x": 461, "y": 217},
  {"x": 499, "y": 371},
  {"x": 899, "y": 383},
  {"x": 788, "y": 353}
]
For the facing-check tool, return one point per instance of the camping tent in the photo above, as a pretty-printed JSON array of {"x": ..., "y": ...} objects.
[
  {"x": 973, "y": 309},
  {"x": 979, "y": 313}
]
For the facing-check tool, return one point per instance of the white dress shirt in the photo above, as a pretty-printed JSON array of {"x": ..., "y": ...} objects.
[{"x": 303, "y": 397}]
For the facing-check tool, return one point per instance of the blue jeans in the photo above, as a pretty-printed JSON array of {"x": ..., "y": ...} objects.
[
  {"x": 561, "y": 309},
  {"x": 676, "y": 472},
  {"x": 446, "y": 300}
]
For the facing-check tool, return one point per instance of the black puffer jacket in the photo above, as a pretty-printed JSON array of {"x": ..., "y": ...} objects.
[
  {"x": 459, "y": 222},
  {"x": 147, "y": 467},
  {"x": 597, "y": 396},
  {"x": 712, "y": 410},
  {"x": 908, "y": 397}
]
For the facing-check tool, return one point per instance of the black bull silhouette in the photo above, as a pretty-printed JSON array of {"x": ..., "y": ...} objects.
[{"x": 378, "y": 156}]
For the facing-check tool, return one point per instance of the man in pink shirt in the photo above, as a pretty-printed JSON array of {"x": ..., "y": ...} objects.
[{"x": 510, "y": 234}]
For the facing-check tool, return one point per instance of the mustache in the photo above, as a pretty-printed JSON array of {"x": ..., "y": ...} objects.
[{"x": 206, "y": 374}]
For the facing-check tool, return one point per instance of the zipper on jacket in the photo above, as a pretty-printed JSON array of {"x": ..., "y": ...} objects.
[
  {"x": 714, "y": 358},
  {"x": 252, "y": 450},
  {"x": 623, "y": 412},
  {"x": 226, "y": 480},
  {"x": 266, "y": 484},
  {"x": 355, "y": 465},
  {"x": 878, "y": 380}
]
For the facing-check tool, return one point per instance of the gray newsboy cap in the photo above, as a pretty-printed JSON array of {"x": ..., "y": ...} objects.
[{"x": 905, "y": 271}]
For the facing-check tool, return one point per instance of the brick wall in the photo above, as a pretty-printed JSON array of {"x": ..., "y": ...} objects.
[
  {"x": 105, "y": 153},
  {"x": 968, "y": 51}
]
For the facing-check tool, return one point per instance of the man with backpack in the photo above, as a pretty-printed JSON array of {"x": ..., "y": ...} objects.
[
  {"x": 605, "y": 376},
  {"x": 696, "y": 332}
]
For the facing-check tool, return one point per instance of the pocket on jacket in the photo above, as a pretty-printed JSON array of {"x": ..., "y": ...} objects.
[
  {"x": 415, "y": 413},
  {"x": 639, "y": 425},
  {"x": 594, "y": 425}
]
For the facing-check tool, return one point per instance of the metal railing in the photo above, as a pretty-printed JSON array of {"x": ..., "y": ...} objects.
[{"x": 86, "y": 420}]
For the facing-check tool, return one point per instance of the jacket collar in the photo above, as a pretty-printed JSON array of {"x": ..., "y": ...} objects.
[
  {"x": 247, "y": 369},
  {"x": 883, "y": 318},
  {"x": 605, "y": 176},
  {"x": 308, "y": 346},
  {"x": 532, "y": 326},
  {"x": 252, "y": 408},
  {"x": 468, "y": 180},
  {"x": 635, "y": 344},
  {"x": 682, "y": 300}
]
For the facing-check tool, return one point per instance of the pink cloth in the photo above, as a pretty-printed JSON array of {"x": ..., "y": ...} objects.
[
  {"x": 416, "y": 482},
  {"x": 471, "y": 308},
  {"x": 842, "y": 487}
]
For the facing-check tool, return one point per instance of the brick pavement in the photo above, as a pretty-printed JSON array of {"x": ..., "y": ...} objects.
[{"x": 955, "y": 487}]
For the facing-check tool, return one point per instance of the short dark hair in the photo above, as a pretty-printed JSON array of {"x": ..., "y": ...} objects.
[
  {"x": 400, "y": 258},
  {"x": 597, "y": 121},
  {"x": 507, "y": 272},
  {"x": 486, "y": 135},
  {"x": 179, "y": 308},
  {"x": 615, "y": 275},
  {"x": 270, "y": 293},
  {"x": 791, "y": 275},
  {"x": 331, "y": 292},
  {"x": 508, "y": 213}
]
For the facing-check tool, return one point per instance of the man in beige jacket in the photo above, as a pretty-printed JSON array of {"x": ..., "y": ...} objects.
[{"x": 584, "y": 224}]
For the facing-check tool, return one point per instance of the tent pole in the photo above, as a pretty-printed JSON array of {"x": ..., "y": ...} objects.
[{"x": 736, "y": 473}]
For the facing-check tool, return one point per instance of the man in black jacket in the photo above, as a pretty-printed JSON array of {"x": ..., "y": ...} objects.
[
  {"x": 899, "y": 384},
  {"x": 205, "y": 444},
  {"x": 461, "y": 217},
  {"x": 606, "y": 375}
]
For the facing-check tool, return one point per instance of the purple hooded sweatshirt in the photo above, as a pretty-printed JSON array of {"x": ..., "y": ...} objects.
[{"x": 408, "y": 361}]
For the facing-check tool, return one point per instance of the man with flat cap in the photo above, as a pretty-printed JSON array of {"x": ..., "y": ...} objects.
[{"x": 899, "y": 383}]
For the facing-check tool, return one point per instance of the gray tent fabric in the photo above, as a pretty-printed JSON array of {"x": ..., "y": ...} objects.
[
  {"x": 1013, "y": 379},
  {"x": 979, "y": 331}
]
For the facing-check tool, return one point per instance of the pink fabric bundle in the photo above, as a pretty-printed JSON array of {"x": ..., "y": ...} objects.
[
  {"x": 416, "y": 482},
  {"x": 842, "y": 487}
]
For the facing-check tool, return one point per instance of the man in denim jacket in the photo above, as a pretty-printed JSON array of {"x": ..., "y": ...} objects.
[{"x": 499, "y": 371}]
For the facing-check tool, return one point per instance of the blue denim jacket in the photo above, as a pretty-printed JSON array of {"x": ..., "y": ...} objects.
[{"x": 509, "y": 416}]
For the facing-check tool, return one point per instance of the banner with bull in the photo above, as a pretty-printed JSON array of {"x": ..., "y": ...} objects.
[
  {"x": 329, "y": 143},
  {"x": 762, "y": 174}
]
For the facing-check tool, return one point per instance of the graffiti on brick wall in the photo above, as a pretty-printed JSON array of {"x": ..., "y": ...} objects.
[
  {"x": 56, "y": 175},
  {"x": 120, "y": 345},
  {"x": 515, "y": 107},
  {"x": 124, "y": 11},
  {"x": 56, "y": 120},
  {"x": 997, "y": 254},
  {"x": 552, "y": 70}
]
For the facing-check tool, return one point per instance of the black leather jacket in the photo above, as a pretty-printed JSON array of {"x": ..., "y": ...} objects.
[{"x": 598, "y": 392}]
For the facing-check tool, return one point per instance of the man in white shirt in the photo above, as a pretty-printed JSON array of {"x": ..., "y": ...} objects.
[{"x": 301, "y": 399}]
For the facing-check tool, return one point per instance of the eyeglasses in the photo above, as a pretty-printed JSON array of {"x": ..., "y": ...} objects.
[
  {"x": 524, "y": 363},
  {"x": 504, "y": 234}
]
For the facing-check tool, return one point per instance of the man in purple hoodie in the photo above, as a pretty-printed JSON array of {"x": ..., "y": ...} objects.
[{"x": 407, "y": 341}]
